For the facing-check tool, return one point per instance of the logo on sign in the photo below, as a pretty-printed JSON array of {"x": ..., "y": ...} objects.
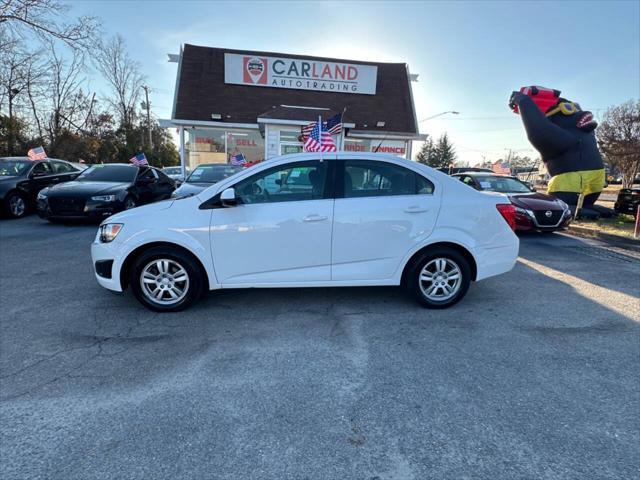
[{"x": 255, "y": 70}]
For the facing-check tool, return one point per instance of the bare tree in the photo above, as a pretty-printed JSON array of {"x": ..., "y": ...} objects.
[
  {"x": 123, "y": 75},
  {"x": 46, "y": 19},
  {"x": 20, "y": 68},
  {"x": 619, "y": 139}
]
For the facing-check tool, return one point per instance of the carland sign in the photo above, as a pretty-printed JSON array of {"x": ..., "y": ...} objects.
[{"x": 299, "y": 74}]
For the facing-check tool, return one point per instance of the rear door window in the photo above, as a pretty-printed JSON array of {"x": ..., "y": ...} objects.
[{"x": 380, "y": 179}]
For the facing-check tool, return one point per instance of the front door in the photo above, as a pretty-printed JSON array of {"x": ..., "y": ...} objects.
[
  {"x": 385, "y": 211},
  {"x": 280, "y": 230}
]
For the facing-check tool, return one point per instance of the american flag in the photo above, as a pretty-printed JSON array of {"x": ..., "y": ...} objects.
[
  {"x": 501, "y": 168},
  {"x": 139, "y": 160},
  {"x": 317, "y": 143},
  {"x": 37, "y": 153},
  {"x": 238, "y": 159},
  {"x": 306, "y": 130},
  {"x": 334, "y": 124}
]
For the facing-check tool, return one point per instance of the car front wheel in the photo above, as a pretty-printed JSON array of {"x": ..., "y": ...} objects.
[
  {"x": 166, "y": 279},
  {"x": 16, "y": 205},
  {"x": 440, "y": 278}
]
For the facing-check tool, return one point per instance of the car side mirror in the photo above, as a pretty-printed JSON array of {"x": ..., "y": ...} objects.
[{"x": 228, "y": 198}]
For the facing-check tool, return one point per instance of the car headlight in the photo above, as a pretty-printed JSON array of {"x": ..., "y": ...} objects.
[
  {"x": 41, "y": 195},
  {"x": 109, "y": 231},
  {"x": 104, "y": 198},
  {"x": 525, "y": 212}
]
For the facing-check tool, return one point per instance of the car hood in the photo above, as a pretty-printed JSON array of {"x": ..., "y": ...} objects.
[
  {"x": 139, "y": 212},
  {"x": 535, "y": 201},
  {"x": 85, "y": 189},
  {"x": 187, "y": 189}
]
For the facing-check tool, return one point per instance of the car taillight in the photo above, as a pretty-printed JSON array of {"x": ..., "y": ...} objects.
[{"x": 508, "y": 212}]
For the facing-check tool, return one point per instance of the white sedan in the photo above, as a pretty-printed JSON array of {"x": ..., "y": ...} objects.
[{"x": 311, "y": 220}]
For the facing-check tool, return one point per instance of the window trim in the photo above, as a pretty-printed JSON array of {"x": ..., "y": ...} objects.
[
  {"x": 340, "y": 170},
  {"x": 330, "y": 176}
]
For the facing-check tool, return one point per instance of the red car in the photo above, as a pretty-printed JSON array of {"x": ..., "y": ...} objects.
[{"x": 534, "y": 211}]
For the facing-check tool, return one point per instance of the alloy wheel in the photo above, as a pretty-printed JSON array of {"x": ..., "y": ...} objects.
[
  {"x": 164, "y": 281},
  {"x": 17, "y": 206},
  {"x": 440, "y": 279}
]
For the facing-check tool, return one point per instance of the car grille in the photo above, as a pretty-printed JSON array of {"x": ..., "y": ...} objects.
[
  {"x": 545, "y": 221},
  {"x": 66, "y": 205}
]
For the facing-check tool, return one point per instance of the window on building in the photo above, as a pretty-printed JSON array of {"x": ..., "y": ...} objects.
[
  {"x": 290, "y": 142},
  {"x": 218, "y": 145},
  {"x": 392, "y": 147}
]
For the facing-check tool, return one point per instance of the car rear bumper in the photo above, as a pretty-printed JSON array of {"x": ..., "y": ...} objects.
[{"x": 491, "y": 260}]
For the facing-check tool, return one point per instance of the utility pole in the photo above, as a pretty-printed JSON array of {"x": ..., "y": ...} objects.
[{"x": 146, "y": 102}]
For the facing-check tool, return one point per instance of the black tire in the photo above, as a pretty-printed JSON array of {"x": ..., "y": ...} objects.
[
  {"x": 16, "y": 205},
  {"x": 459, "y": 289},
  {"x": 146, "y": 262},
  {"x": 129, "y": 202}
]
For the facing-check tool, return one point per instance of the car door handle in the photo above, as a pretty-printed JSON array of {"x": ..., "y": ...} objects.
[
  {"x": 314, "y": 218},
  {"x": 415, "y": 209}
]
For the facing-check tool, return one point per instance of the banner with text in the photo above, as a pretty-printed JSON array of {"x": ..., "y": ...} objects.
[{"x": 299, "y": 74}]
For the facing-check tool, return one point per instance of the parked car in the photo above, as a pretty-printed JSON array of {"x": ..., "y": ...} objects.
[
  {"x": 361, "y": 219},
  {"x": 175, "y": 173},
  {"x": 203, "y": 176},
  {"x": 22, "y": 178},
  {"x": 628, "y": 201},
  {"x": 534, "y": 211},
  {"x": 103, "y": 190}
]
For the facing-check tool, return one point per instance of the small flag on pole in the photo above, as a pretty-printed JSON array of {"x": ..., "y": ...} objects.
[
  {"x": 139, "y": 160},
  {"x": 37, "y": 153},
  {"x": 319, "y": 142},
  {"x": 238, "y": 159}
]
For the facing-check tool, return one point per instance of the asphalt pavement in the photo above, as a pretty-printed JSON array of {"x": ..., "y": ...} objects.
[{"x": 534, "y": 375}]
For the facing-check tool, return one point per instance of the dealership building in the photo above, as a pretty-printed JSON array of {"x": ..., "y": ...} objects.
[{"x": 228, "y": 102}]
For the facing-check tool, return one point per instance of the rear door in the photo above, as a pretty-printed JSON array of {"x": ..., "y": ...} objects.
[{"x": 385, "y": 210}]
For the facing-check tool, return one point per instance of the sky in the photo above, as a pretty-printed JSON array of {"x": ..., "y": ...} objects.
[{"x": 469, "y": 56}]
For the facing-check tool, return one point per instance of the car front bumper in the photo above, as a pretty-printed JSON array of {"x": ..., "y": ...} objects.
[
  {"x": 106, "y": 252},
  {"x": 90, "y": 211}
]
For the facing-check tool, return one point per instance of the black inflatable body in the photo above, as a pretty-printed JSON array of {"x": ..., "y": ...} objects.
[{"x": 564, "y": 136}]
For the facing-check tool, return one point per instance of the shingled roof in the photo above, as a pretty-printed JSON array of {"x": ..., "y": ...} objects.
[{"x": 201, "y": 91}]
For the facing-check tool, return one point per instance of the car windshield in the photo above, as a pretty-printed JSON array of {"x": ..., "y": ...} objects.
[
  {"x": 10, "y": 168},
  {"x": 502, "y": 184},
  {"x": 109, "y": 173},
  {"x": 212, "y": 173}
]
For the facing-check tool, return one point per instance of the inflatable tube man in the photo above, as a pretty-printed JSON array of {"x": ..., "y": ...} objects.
[{"x": 564, "y": 135}]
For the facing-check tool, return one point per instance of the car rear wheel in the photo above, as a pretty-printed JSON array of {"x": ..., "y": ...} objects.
[
  {"x": 16, "y": 205},
  {"x": 439, "y": 278},
  {"x": 165, "y": 279}
]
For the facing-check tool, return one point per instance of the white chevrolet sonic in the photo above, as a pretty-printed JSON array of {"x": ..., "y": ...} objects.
[{"x": 311, "y": 220}]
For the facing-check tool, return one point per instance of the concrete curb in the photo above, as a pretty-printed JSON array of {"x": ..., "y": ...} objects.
[{"x": 617, "y": 240}]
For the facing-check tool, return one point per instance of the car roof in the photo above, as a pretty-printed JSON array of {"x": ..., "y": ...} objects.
[
  {"x": 29, "y": 160},
  {"x": 483, "y": 174}
]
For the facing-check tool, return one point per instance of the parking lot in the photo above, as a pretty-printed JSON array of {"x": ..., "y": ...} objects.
[{"x": 533, "y": 375}]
